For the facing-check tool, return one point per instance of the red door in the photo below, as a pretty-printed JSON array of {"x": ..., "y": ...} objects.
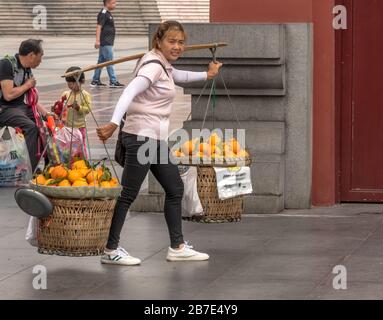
[{"x": 362, "y": 103}]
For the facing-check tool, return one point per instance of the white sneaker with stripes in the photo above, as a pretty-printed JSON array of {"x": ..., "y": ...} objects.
[{"x": 119, "y": 256}]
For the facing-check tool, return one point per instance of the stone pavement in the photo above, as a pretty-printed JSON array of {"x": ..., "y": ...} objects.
[{"x": 286, "y": 256}]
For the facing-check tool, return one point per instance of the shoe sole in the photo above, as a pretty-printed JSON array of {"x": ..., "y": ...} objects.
[
  {"x": 192, "y": 258},
  {"x": 119, "y": 263}
]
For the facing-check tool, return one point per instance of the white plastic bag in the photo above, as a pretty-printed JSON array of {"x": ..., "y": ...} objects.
[
  {"x": 15, "y": 165},
  {"x": 31, "y": 234},
  {"x": 191, "y": 204},
  {"x": 233, "y": 182}
]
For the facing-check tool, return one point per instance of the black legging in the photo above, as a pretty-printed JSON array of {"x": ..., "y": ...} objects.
[{"x": 132, "y": 177}]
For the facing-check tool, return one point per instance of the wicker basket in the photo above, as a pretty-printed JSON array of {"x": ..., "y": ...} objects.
[
  {"x": 215, "y": 210},
  {"x": 76, "y": 227}
]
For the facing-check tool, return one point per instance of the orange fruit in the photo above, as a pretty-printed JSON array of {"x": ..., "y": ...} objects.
[
  {"x": 40, "y": 179},
  {"x": 105, "y": 184},
  {"x": 227, "y": 149},
  {"x": 74, "y": 175},
  {"x": 84, "y": 171},
  {"x": 214, "y": 139},
  {"x": 64, "y": 183},
  {"x": 79, "y": 164},
  {"x": 242, "y": 154},
  {"x": 188, "y": 147},
  {"x": 59, "y": 172},
  {"x": 177, "y": 153},
  {"x": 100, "y": 172},
  {"x": 230, "y": 154},
  {"x": 235, "y": 146},
  {"x": 205, "y": 149},
  {"x": 217, "y": 151},
  {"x": 113, "y": 182},
  {"x": 94, "y": 184},
  {"x": 92, "y": 176},
  {"x": 217, "y": 156},
  {"x": 80, "y": 183}
]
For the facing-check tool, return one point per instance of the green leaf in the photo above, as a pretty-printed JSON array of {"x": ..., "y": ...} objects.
[
  {"x": 106, "y": 176},
  {"x": 55, "y": 181},
  {"x": 88, "y": 163}
]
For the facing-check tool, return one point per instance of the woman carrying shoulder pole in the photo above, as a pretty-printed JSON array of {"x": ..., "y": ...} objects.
[{"x": 147, "y": 103}]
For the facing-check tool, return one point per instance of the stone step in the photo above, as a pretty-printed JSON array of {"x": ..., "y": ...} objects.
[{"x": 134, "y": 16}]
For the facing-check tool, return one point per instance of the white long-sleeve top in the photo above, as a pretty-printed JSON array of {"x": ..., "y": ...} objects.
[
  {"x": 141, "y": 83},
  {"x": 148, "y": 99}
]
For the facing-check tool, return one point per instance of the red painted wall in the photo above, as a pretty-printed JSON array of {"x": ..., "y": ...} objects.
[
  {"x": 324, "y": 187},
  {"x": 260, "y": 10}
]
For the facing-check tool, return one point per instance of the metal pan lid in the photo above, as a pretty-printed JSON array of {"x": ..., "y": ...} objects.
[{"x": 33, "y": 202}]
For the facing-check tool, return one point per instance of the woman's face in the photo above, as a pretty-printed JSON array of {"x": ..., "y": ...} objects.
[{"x": 172, "y": 45}]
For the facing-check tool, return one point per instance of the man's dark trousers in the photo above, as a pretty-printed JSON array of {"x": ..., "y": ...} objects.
[{"x": 22, "y": 116}]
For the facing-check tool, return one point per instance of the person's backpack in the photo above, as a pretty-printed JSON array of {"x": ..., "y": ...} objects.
[
  {"x": 119, "y": 154},
  {"x": 13, "y": 61}
]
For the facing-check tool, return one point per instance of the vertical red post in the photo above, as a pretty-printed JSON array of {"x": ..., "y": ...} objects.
[{"x": 324, "y": 186}]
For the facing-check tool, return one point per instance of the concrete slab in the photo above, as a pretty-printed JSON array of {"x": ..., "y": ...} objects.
[{"x": 256, "y": 290}]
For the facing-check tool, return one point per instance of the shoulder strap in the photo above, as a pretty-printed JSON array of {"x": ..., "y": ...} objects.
[
  {"x": 12, "y": 60},
  {"x": 145, "y": 63},
  {"x": 158, "y": 62}
]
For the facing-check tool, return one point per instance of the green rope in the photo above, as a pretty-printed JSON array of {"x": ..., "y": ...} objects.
[{"x": 214, "y": 100}]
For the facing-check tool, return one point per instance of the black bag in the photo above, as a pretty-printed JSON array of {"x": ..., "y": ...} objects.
[{"x": 119, "y": 153}]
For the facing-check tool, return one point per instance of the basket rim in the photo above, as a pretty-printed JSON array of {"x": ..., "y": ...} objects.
[
  {"x": 208, "y": 162},
  {"x": 81, "y": 192}
]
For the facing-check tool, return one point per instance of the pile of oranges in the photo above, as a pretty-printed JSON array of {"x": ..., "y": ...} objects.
[
  {"x": 214, "y": 148},
  {"x": 81, "y": 174}
]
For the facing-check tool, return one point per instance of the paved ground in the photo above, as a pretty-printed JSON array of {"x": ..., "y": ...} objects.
[{"x": 285, "y": 256}]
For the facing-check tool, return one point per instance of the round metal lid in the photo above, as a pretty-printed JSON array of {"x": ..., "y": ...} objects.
[{"x": 33, "y": 202}]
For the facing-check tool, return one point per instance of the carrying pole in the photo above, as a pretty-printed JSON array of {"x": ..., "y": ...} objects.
[{"x": 138, "y": 56}]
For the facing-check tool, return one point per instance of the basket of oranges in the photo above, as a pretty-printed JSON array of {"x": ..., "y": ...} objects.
[
  {"x": 205, "y": 156},
  {"x": 214, "y": 152},
  {"x": 81, "y": 181},
  {"x": 83, "y": 199}
]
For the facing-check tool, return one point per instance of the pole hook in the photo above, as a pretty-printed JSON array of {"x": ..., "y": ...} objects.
[{"x": 213, "y": 51}]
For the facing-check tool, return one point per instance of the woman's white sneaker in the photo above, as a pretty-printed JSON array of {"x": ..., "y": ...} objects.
[
  {"x": 119, "y": 256},
  {"x": 186, "y": 254}
]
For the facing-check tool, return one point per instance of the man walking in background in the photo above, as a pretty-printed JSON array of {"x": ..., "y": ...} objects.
[{"x": 105, "y": 35}]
